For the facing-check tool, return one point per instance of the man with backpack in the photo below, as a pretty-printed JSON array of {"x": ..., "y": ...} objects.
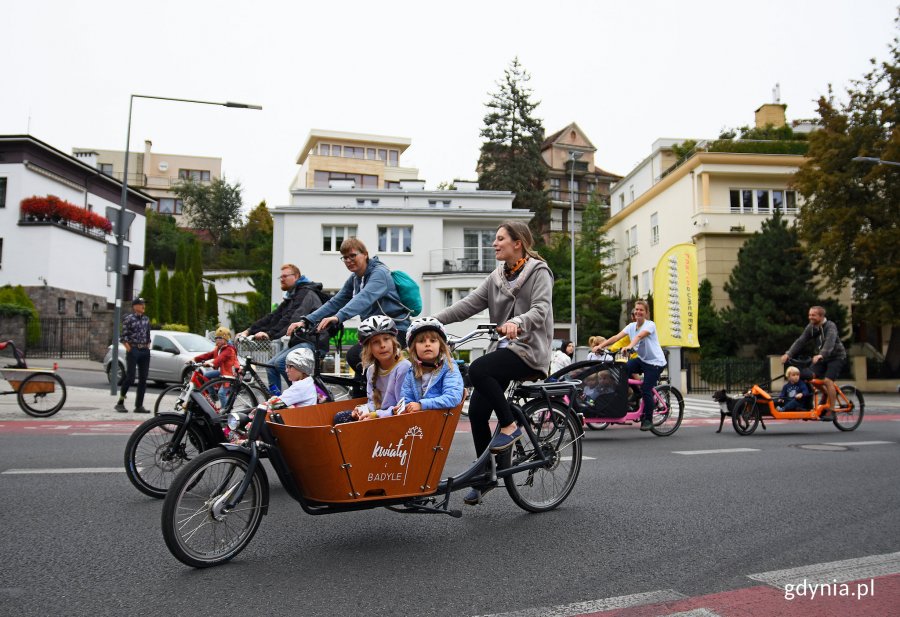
[
  {"x": 301, "y": 296},
  {"x": 370, "y": 290}
]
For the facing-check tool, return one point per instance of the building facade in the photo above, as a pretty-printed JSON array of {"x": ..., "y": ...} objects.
[
  {"x": 563, "y": 185},
  {"x": 155, "y": 174},
  {"x": 59, "y": 254}
]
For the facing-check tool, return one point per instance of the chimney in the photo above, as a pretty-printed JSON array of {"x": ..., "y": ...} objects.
[
  {"x": 466, "y": 186},
  {"x": 87, "y": 157},
  {"x": 770, "y": 113},
  {"x": 412, "y": 185}
]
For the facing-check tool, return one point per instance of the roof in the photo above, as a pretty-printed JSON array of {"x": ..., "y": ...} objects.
[{"x": 318, "y": 135}]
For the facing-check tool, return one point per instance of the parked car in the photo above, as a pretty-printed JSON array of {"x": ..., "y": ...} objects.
[{"x": 169, "y": 350}]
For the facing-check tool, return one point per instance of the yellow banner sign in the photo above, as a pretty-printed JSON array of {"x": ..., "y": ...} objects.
[{"x": 675, "y": 297}]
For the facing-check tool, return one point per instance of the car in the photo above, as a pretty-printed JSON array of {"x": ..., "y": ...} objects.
[{"x": 169, "y": 351}]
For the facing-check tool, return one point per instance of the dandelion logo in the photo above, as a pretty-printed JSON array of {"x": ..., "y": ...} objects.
[{"x": 413, "y": 432}]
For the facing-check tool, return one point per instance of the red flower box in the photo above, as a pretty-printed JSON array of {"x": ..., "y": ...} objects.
[{"x": 53, "y": 208}]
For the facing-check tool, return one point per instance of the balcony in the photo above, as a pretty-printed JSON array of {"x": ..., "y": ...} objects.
[{"x": 461, "y": 260}]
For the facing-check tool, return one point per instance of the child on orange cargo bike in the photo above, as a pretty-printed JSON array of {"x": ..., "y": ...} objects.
[
  {"x": 434, "y": 381},
  {"x": 386, "y": 370}
]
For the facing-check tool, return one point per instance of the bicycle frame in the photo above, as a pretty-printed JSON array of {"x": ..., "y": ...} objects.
[
  {"x": 633, "y": 415},
  {"x": 820, "y": 402}
]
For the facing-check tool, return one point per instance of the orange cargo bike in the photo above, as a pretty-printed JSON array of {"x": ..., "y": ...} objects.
[
  {"x": 214, "y": 507},
  {"x": 849, "y": 409}
]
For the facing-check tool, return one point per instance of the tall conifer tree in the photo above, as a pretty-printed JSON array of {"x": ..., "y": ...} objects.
[{"x": 164, "y": 291}]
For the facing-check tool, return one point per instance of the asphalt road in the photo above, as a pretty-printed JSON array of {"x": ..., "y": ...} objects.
[{"x": 643, "y": 517}]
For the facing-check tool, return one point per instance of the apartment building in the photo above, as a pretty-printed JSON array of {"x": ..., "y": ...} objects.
[{"x": 155, "y": 174}]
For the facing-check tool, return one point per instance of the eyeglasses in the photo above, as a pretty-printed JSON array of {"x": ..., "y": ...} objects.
[
  {"x": 349, "y": 257},
  {"x": 286, "y": 276}
]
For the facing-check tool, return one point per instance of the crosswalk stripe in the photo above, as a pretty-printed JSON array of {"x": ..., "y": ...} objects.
[
  {"x": 833, "y": 571},
  {"x": 720, "y": 451}
]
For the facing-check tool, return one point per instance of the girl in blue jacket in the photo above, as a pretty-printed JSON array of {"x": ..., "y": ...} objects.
[{"x": 434, "y": 381}]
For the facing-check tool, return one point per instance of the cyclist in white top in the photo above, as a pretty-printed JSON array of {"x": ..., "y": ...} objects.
[{"x": 650, "y": 360}]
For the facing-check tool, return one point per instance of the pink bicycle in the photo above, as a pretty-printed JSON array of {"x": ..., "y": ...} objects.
[{"x": 608, "y": 396}]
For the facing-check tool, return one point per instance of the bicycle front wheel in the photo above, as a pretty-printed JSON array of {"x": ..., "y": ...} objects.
[
  {"x": 196, "y": 526},
  {"x": 559, "y": 438},
  {"x": 167, "y": 401},
  {"x": 151, "y": 459},
  {"x": 227, "y": 394},
  {"x": 41, "y": 394},
  {"x": 745, "y": 416},
  {"x": 849, "y": 414},
  {"x": 668, "y": 410}
]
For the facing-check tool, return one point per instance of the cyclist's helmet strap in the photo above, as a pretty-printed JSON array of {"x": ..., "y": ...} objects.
[{"x": 376, "y": 324}]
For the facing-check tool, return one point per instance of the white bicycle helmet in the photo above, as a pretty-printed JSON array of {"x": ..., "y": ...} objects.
[
  {"x": 376, "y": 324},
  {"x": 424, "y": 324},
  {"x": 302, "y": 359}
]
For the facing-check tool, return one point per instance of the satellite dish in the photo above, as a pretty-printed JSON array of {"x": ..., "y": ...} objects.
[{"x": 163, "y": 166}]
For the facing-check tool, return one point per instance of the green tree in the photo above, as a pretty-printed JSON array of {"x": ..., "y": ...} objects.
[
  {"x": 179, "y": 302},
  {"x": 771, "y": 288},
  {"x": 164, "y": 291},
  {"x": 214, "y": 208},
  {"x": 257, "y": 305},
  {"x": 510, "y": 157},
  {"x": 16, "y": 297},
  {"x": 199, "y": 308},
  {"x": 715, "y": 339},
  {"x": 196, "y": 262},
  {"x": 850, "y": 219},
  {"x": 163, "y": 238},
  {"x": 148, "y": 293},
  {"x": 212, "y": 306},
  {"x": 181, "y": 256},
  {"x": 190, "y": 301}
]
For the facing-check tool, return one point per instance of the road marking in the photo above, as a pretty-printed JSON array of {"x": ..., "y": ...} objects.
[
  {"x": 859, "y": 443},
  {"x": 64, "y": 470},
  {"x": 583, "y": 457},
  {"x": 833, "y": 571},
  {"x": 594, "y": 606},
  {"x": 720, "y": 451}
]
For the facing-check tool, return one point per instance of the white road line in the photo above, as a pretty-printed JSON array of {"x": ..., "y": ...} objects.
[
  {"x": 721, "y": 451},
  {"x": 859, "y": 443},
  {"x": 64, "y": 470},
  {"x": 833, "y": 571},
  {"x": 594, "y": 606}
]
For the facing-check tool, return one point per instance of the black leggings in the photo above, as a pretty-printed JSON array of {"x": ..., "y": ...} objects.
[{"x": 490, "y": 375}]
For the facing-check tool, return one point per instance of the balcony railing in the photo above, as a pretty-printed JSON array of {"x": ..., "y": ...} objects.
[{"x": 462, "y": 260}]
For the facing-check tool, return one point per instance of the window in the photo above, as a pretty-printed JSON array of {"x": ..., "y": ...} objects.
[
  {"x": 778, "y": 200},
  {"x": 382, "y": 154},
  {"x": 194, "y": 175},
  {"x": 106, "y": 168},
  {"x": 645, "y": 281},
  {"x": 393, "y": 158},
  {"x": 334, "y": 235},
  {"x": 621, "y": 201},
  {"x": 61, "y": 306},
  {"x": 591, "y": 187},
  {"x": 367, "y": 202},
  {"x": 391, "y": 184},
  {"x": 322, "y": 179},
  {"x": 790, "y": 201},
  {"x": 352, "y": 152},
  {"x": 554, "y": 188},
  {"x": 370, "y": 154},
  {"x": 395, "y": 239},
  {"x": 634, "y": 286},
  {"x": 325, "y": 149},
  {"x": 631, "y": 190},
  {"x": 762, "y": 201},
  {"x": 573, "y": 189},
  {"x": 439, "y": 203},
  {"x": 478, "y": 254},
  {"x": 632, "y": 240},
  {"x": 79, "y": 308},
  {"x": 167, "y": 205},
  {"x": 654, "y": 228},
  {"x": 448, "y": 296},
  {"x": 2, "y": 192},
  {"x": 335, "y": 150}
]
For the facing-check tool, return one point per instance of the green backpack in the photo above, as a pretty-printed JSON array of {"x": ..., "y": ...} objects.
[{"x": 408, "y": 290}]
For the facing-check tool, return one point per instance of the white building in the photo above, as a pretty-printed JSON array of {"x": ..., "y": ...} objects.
[
  {"x": 62, "y": 254},
  {"x": 442, "y": 239}
]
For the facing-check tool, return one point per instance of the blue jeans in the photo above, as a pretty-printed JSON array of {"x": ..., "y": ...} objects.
[
  {"x": 275, "y": 374},
  {"x": 223, "y": 391},
  {"x": 651, "y": 378}
]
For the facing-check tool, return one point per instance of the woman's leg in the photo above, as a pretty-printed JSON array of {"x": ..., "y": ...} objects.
[{"x": 490, "y": 375}]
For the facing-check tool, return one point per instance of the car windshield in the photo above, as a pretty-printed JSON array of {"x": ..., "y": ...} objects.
[{"x": 193, "y": 342}]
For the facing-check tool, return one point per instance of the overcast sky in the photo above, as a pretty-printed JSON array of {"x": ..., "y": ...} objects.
[{"x": 628, "y": 72}]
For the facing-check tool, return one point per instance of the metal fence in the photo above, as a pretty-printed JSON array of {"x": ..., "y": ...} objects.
[
  {"x": 730, "y": 374},
  {"x": 62, "y": 337}
]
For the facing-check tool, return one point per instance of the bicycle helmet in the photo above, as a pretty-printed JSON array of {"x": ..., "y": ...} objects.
[
  {"x": 301, "y": 359},
  {"x": 424, "y": 324},
  {"x": 223, "y": 332},
  {"x": 376, "y": 324}
]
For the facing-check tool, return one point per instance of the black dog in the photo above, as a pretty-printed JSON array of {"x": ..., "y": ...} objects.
[{"x": 726, "y": 405}]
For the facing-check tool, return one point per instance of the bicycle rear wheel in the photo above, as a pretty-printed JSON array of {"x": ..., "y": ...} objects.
[
  {"x": 559, "y": 437},
  {"x": 197, "y": 528},
  {"x": 167, "y": 401},
  {"x": 847, "y": 418},
  {"x": 151, "y": 459},
  {"x": 41, "y": 394},
  {"x": 668, "y": 410},
  {"x": 238, "y": 395}
]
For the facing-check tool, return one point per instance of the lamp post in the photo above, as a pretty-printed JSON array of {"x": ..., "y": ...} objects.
[
  {"x": 120, "y": 222},
  {"x": 573, "y": 156},
  {"x": 875, "y": 160}
]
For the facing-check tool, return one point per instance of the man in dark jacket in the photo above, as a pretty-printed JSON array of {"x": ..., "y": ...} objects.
[
  {"x": 300, "y": 298},
  {"x": 830, "y": 353}
]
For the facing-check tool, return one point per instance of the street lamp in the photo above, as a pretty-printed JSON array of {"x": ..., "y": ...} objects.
[
  {"x": 875, "y": 160},
  {"x": 573, "y": 156},
  {"x": 120, "y": 223}
]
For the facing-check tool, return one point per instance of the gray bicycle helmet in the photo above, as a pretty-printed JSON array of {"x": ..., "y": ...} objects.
[
  {"x": 376, "y": 324},
  {"x": 424, "y": 324},
  {"x": 302, "y": 359}
]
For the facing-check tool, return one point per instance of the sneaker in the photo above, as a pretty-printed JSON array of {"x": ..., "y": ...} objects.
[
  {"x": 646, "y": 425},
  {"x": 503, "y": 442},
  {"x": 779, "y": 409},
  {"x": 473, "y": 497},
  {"x": 120, "y": 407},
  {"x": 141, "y": 409}
]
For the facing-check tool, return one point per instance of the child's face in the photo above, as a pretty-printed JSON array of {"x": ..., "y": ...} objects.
[
  {"x": 295, "y": 374},
  {"x": 794, "y": 377},
  {"x": 220, "y": 341},
  {"x": 382, "y": 348},
  {"x": 428, "y": 346}
]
